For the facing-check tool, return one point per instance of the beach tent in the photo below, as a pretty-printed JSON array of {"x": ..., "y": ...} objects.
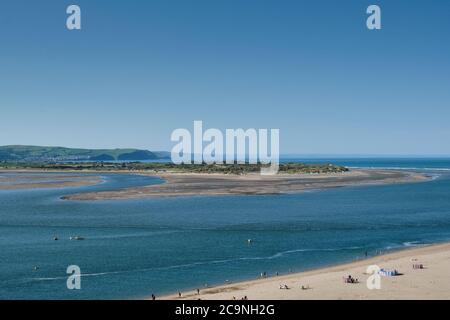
[{"x": 388, "y": 273}]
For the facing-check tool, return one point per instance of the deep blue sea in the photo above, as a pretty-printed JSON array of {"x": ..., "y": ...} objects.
[{"x": 134, "y": 248}]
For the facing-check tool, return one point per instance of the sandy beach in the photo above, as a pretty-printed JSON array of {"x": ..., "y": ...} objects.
[
  {"x": 431, "y": 282},
  {"x": 187, "y": 184}
]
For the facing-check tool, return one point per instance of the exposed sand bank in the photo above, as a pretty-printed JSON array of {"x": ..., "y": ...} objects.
[
  {"x": 26, "y": 180},
  {"x": 184, "y": 184},
  {"x": 432, "y": 282}
]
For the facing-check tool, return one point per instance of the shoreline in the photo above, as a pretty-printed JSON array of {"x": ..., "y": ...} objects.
[
  {"x": 326, "y": 283},
  {"x": 194, "y": 184}
]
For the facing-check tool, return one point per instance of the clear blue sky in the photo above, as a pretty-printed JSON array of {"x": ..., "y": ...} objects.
[{"x": 139, "y": 69}]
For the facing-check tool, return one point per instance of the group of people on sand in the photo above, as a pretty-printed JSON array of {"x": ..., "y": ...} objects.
[
  {"x": 243, "y": 298},
  {"x": 350, "y": 279},
  {"x": 285, "y": 286}
]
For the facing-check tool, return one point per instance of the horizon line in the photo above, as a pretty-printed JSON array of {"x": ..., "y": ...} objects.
[{"x": 287, "y": 154}]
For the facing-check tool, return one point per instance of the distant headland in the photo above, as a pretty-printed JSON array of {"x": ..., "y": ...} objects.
[{"x": 38, "y": 153}]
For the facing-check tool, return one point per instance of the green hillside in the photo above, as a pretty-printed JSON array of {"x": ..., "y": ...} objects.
[{"x": 36, "y": 153}]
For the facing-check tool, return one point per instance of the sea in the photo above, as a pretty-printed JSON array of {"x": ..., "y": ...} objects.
[{"x": 132, "y": 249}]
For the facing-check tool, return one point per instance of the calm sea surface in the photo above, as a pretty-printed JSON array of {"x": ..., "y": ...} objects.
[{"x": 134, "y": 248}]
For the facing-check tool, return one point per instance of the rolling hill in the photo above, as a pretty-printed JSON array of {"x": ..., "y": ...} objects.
[{"x": 37, "y": 153}]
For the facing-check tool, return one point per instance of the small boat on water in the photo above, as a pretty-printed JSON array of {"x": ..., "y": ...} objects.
[{"x": 76, "y": 238}]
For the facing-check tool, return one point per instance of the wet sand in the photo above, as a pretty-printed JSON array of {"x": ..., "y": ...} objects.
[
  {"x": 26, "y": 180},
  {"x": 431, "y": 282},
  {"x": 185, "y": 184}
]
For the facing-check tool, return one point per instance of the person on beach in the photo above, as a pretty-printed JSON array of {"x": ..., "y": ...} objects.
[
  {"x": 179, "y": 294},
  {"x": 198, "y": 291},
  {"x": 153, "y": 297}
]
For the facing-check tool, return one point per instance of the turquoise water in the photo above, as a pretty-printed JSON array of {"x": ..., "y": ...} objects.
[{"x": 134, "y": 248}]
